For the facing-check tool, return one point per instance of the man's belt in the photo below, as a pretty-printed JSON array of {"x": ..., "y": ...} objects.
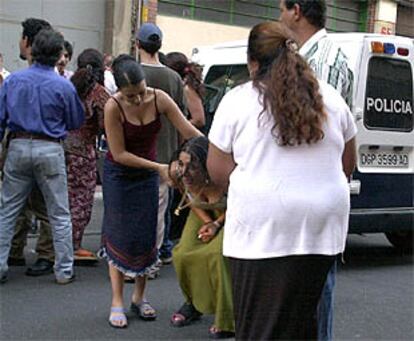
[{"x": 32, "y": 136}]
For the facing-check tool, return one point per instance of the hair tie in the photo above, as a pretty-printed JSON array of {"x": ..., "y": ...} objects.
[
  {"x": 291, "y": 45},
  {"x": 89, "y": 67},
  {"x": 187, "y": 69}
]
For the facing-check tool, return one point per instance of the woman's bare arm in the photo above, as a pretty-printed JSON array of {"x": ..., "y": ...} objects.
[
  {"x": 168, "y": 107},
  {"x": 349, "y": 157},
  {"x": 220, "y": 165}
]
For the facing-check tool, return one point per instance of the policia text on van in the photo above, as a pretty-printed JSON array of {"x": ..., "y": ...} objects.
[{"x": 382, "y": 188}]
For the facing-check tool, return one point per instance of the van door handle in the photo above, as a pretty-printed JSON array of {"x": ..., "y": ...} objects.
[
  {"x": 355, "y": 187},
  {"x": 358, "y": 114}
]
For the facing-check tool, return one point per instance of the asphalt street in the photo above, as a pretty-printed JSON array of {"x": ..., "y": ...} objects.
[{"x": 374, "y": 299}]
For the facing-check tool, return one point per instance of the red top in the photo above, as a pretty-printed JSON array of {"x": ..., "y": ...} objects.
[{"x": 140, "y": 140}]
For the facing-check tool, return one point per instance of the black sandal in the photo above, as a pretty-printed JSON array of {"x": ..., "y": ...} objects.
[{"x": 185, "y": 315}]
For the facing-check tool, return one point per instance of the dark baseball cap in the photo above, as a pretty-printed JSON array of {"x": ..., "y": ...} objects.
[{"x": 149, "y": 33}]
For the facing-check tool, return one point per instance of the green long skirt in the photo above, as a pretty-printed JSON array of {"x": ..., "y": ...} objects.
[{"x": 203, "y": 274}]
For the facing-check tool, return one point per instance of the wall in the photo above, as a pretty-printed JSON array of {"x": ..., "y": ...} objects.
[
  {"x": 81, "y": 22},
  {"x": 184, "y": 34}
]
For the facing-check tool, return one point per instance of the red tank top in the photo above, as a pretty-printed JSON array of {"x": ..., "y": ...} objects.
[{"x": 140, "y": 140}]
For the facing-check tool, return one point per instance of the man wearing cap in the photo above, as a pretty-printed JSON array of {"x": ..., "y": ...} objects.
[{"x": 157, "y": 75}]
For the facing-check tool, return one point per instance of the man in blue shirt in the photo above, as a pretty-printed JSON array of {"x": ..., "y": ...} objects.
[
  {"x": 39, "y": 107},
  {"x": 35, "y": 204}
]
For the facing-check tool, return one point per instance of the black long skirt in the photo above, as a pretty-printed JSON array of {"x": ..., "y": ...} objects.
[{"x": 276, "y": 298}]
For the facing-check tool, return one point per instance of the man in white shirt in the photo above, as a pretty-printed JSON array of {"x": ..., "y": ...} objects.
[{"x": 306, "y": 20}]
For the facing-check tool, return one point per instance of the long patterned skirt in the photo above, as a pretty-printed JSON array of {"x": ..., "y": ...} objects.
[
  {"x": 130, "y": 218},
  {"x": 81, "y": 172}
]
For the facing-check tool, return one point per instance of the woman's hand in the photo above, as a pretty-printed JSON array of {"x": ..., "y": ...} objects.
[{"x": 208, "y": 231}]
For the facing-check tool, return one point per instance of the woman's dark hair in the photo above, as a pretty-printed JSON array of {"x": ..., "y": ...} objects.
[
  {"x": 84, "y": 81},
  {"x": 92, "y": 60},
  {"x": 47, "y": 47},
  {"x": 127, "y": 71},
  {"x": 191, "y": 73},
  {"x": 197, "y": 148},
  {"x": 69, "y": 48},
  {"x": 313, "y": 10},
  {"x": 287, "y": 85}
]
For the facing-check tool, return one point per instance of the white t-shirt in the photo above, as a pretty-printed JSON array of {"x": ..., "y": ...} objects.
[
  {"x": 110, "y": 82},
  {"x": 283, "y": 200}
]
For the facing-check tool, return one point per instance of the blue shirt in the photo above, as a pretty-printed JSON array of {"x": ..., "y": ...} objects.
[{"x": 37, "y": 100}]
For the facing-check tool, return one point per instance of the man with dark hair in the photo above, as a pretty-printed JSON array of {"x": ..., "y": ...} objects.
[
  {"x": 35, "y": 204},
  {"x": 306, "y": 19},
  {"x": 157, "y": 75},
  {"x": 31, "y": 27},
  {"x": 64, "y": 60},
  {"x": 38, "y": 107}
]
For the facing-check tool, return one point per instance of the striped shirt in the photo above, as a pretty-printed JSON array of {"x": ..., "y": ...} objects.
[{"x": 329, "y": 63}]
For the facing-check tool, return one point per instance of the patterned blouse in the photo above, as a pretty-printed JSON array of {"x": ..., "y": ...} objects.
[{"x": 79, "y": 141}]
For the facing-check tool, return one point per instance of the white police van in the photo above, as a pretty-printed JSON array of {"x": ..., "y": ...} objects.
[{"x": 382, "y": 188}]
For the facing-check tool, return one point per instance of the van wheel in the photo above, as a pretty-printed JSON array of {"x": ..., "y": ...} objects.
[{"x": 402, "y": 240}]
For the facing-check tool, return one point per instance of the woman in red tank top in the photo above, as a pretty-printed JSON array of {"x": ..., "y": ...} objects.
[{"x": 130, "y": 183}]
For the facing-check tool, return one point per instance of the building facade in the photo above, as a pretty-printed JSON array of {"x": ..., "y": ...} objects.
[
  {"x": 110, "y": 25},
  {"x": 189, "y": 23}
]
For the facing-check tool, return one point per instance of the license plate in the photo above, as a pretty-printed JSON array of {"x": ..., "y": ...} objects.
[{"x": 383, "y": 158}]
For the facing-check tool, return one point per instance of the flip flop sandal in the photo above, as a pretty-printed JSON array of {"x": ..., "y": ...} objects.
[
  {"x": 116, "y": 318},
  {"x": 185, "y": 315},
  {"x": 144, "y": 310}
]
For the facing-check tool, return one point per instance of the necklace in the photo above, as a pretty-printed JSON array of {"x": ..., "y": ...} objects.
[{"x": 181, "y": 205}]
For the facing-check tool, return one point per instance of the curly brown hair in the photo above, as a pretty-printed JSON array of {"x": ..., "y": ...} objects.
[{"x": 287, "y": 86}]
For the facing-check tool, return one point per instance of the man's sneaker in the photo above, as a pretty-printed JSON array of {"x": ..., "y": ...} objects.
[
  {"x": 63, "y": 281},
  {"x": 40, "y": 268},
  {"x": 166, "y": 260},
  {"x": 3, "y": 277},
  {"x": 153, "y": 273}
]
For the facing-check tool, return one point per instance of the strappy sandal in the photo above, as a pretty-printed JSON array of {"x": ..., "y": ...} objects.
[
  {"x": 185, "y": 315},
  {"x": 144, "y": 310},
  {"x": 120, "y": 311},
  {"x": 215, "y": 333}
]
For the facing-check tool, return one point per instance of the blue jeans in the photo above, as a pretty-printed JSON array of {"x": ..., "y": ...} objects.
[
  {"x": 326, "y": 307},
  {"x": 29, "y": 161}
]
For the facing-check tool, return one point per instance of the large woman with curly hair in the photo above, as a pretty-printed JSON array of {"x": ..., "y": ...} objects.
[{"x": 284, "y": 145}]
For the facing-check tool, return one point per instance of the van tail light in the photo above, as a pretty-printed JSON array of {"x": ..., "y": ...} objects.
[
  {"x": 385, "y": 48},
  {"x": 402, "y": 51},
  {"x": 377, "y": 47},
  {"x": 389, "y": 48}
]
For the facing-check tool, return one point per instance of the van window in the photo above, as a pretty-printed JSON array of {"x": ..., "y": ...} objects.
[
  {"x": 219, "y": 80},
  {"x": 389, "y": 95},
  {"x": 227, "y": 76}
]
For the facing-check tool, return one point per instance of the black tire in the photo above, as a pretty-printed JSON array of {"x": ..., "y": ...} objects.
[{"x": 402, "y": 240}]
